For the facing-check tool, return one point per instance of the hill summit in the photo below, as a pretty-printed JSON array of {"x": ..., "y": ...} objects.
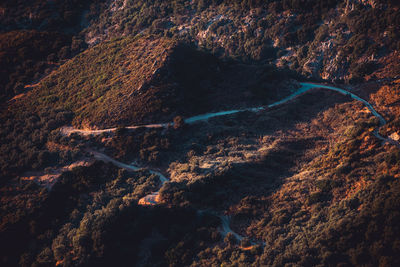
[{"x": 145, "y": 79}]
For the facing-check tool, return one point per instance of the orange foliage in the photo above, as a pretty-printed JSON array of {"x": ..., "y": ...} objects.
[{"x": 356, "y": 187}]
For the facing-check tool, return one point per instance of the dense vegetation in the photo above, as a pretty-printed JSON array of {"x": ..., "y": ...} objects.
[
  {"x": 36, "y": 36},
  {"x": 25, "y": 140},
  {"x": 306, "y": 183},
  {"x": 256, "y": 31},
  {"x": 332, "y": 218},
  {"x": 26, "y": 56},
  {"x": 264, "y": 30},
  {"x": 91, "y": 218}
]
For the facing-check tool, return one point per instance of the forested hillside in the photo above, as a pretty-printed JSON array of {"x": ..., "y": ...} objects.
[
  {"x": 36, "y": 36},
  {"x": 200, "y": 133},
  {"x": 337, "y": 40},
  {"x": 333, "y": 40}
]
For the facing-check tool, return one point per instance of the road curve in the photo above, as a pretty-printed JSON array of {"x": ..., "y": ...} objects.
[
  {"x": 345, "y": 92},
  {"x": 382, "y": 120}
]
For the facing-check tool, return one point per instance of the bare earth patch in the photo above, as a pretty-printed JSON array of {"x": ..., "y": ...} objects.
[{"x": 49, "y": 177}]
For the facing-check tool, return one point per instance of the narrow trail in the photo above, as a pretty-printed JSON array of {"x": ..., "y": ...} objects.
[{"x": 154, "y": 197}]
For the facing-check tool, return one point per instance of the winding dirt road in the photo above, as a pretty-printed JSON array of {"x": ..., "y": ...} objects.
[
  {"x": 67, "y": 130},
  {"x": 154, "y": 198}
]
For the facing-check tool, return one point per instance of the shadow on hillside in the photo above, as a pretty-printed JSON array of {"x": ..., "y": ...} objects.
[
  {"x": 229, "y": 186},
  {"x": 266, "y": 174}
]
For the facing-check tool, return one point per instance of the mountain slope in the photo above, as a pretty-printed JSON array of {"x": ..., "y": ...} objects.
[
  {"x": 263, "y": 166},
  {"x": 147, "y": 79},
  {"x": 98, "y": 84},
  {"x": 334, "y": 40}
]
